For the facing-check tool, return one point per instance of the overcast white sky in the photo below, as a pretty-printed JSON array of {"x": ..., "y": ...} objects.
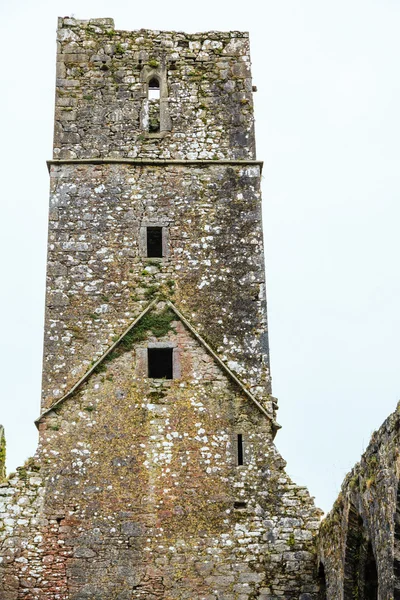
[{"x": 328, "y": 129}]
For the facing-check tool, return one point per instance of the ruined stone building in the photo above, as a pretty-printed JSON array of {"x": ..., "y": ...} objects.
[{"x": 156, "y": 475}]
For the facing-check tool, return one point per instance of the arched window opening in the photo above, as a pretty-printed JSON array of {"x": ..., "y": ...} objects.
[
  {"x": 371, "y": 576},
  {"x": 154, "y": 89},
  {"x": 321, "y": 582},
  {"x": 154, "y": 114},
  {"x": 154, "y": 105}
]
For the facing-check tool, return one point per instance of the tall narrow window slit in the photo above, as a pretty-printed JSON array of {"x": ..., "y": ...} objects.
[
  {"x": 154, "y": 94},
  {"x": 240, "y": 449}
]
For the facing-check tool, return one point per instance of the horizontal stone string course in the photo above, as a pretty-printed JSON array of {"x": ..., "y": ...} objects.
[{"x": 156, "y": 161}]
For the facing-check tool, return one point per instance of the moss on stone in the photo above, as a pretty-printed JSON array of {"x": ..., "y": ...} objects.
[
  {"x": 119, "y": 49},
  {"x": 158, "y": 323},
  {"x": 150, "y": 291}
]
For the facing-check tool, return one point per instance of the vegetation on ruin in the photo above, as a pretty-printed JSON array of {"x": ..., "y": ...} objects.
[{"x": 158, "y": 323}]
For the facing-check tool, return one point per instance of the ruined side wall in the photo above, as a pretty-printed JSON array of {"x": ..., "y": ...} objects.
[
  {"x": 98, "y": 278},
  {"x": 22, "y": 527},
  {"x": 140, "y": 481},
  {"x": 370, "y": 491},
  {"x": 2, "y": 454},
  {"x": 101, "y": 93}
]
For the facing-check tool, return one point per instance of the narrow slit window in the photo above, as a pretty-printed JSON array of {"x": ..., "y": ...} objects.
[
  {"x": 240, "y": 449},
  {"x": 160, "y": 363},
  {"x": 154, "y": 242},
  {"x": 154, "y": 105},
  {"x": 154, "y": 89}
]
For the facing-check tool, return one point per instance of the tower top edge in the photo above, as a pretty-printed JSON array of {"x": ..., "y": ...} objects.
[{"x": 108, "y": 23}]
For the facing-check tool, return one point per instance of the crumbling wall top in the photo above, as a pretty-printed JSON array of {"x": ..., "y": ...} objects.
[{"x": 65, "y": 22}]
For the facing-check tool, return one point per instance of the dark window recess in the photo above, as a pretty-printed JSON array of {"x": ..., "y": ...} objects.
[
  {"x": 160, "y": 363},
  {"x": 360, "y": 572},
  {"x": 371, "y": 575},
  {"x": 240, "y": 449},
  {"x": 239, "y": 505},
  {"x": 353, "y": 553},
  {"x": 321, "y": 582},
  {"x": 154, "y": 242}
]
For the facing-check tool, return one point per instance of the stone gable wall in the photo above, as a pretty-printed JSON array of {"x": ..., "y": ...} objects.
[
  {"x": 139, "y": 490},
  {"x": 98, "y": 280}
]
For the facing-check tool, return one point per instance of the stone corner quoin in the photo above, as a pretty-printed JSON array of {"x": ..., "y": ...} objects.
[{"x": 156, "y": 475}]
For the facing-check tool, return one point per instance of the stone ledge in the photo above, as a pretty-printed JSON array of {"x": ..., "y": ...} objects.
[{"x": 155, "y": 162}]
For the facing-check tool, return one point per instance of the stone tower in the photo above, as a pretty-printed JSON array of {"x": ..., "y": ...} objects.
[
  {"x": 182, "y": 166},
  {"x": 156, "y": 475}
]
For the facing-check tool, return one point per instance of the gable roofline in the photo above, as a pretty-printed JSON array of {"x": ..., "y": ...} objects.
[
  {"x": 88, "y": 373},
  {"x": 198, "y": 337},
  {"x": 221, "y": 362}
]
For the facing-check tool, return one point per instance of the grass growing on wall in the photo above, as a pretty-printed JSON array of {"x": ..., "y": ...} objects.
[{"x": 158, "y": 323}]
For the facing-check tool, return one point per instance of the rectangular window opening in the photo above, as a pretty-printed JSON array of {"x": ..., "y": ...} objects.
[
  {"x": 154, "y": 242},
  {"x": 160, "y": 363},
  {"x": 240, "y": 449}
]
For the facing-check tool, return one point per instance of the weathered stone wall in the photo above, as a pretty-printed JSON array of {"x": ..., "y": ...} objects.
[
  {"x": 365, "y": 521},
  {"x": 143, "y": 496},
  {"x": 2, "y": 454},
  {"x": 22, "y": 527},
  {"x": 101, "y": 97}
]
